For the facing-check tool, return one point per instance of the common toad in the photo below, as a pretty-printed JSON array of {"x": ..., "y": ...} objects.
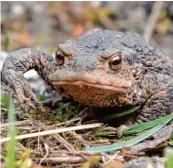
[{"x": 101, "y": 68}]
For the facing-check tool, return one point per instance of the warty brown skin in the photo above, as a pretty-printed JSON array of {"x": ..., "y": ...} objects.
[{"x": 84, "y": 70}]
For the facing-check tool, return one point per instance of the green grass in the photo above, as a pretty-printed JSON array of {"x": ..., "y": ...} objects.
[
  {"x": 11, "y": 145},
  {"x": 144, "y": 126},
  {"x": 7, "y": 43},
  {"x": 169, "y": 157},
  {"x": 156, "y": 124}
]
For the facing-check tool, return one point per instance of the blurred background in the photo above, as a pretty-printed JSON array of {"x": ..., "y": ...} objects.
[{"x": 46, "y": 24}]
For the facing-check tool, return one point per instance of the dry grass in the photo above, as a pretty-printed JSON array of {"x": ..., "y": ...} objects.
[{"x": 59, "y": 138}]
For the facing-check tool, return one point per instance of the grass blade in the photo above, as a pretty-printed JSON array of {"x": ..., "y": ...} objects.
[
  {"x": 118, "y": 115},
  {"x": 12, "y": 133},
  {"x": 116, "y": 146},
  {"x": 141, "y": 127},
  {"x": 169, "y": 157},
  {"x": 7, "y": 43}
]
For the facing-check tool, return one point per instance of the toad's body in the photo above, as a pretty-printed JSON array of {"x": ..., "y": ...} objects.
[{"x": 102, "y": 68}]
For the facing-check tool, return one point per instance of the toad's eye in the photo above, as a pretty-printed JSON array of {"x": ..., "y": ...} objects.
[
  {"x": 115, "y": 62},
  {"x": 59, "y": 58}
]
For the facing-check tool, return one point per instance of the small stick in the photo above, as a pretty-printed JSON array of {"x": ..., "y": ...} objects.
[
  {"x": 152, "y": 20},
  {"x": 63, "y": 123},
  {"x": 6, "y": 125},
  {"x": 48, "y": 132},
  {"x": 59, "y": 138},
  {"x": 62, "y": 159}
]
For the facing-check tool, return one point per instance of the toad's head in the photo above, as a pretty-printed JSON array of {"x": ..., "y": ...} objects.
[{"x": 99, "y": 68}]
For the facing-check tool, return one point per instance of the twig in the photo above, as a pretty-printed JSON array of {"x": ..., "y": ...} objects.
[
  {"x": 79, "y": 138},
  {"x": 152, "y": 20},
  {"x": 4, "y": 109},
  {"x": 115, "y": 156},
  {"x": 47, "y": 153},
  {"x": 59, "y": 138},
  {"x": 62, "y": 159},
  {"x": 48, "y": 132},
  {"x": 18, "y": 123},
  {"x": 57, "y": 98},
  {"x": 63, "y": 123}
]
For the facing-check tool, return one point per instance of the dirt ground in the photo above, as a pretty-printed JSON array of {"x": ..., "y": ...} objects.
[{"x": 46, "y": 24}]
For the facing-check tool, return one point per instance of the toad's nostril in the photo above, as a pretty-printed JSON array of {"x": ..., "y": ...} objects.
[{"x": 61, "y": 90}]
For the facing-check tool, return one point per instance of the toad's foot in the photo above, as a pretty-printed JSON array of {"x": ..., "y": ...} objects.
[
  {"x": 17, "y": 63},
  {"x": 20, "y": 89}
]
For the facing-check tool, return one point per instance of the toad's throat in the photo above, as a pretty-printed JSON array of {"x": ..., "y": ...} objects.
[{"x": 82, "y": 84}]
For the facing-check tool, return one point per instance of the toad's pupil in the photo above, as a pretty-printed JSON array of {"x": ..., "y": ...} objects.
[
  {"x": 60, "y": 57},
  {"x": 116, "y": 62}
]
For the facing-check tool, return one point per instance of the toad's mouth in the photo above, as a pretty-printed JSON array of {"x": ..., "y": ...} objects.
[
  {"x": 95, "y": 90},
  {"x": 84, "y": 84}
]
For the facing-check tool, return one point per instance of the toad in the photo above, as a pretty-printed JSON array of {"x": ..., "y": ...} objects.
[{"x": 101, "y": 68}]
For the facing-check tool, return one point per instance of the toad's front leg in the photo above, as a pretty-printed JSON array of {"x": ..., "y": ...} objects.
[
  {"x": 160, "y": 100},
  {"x": 17, "y": 63},
  {"x": 159, "y": 105}
]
